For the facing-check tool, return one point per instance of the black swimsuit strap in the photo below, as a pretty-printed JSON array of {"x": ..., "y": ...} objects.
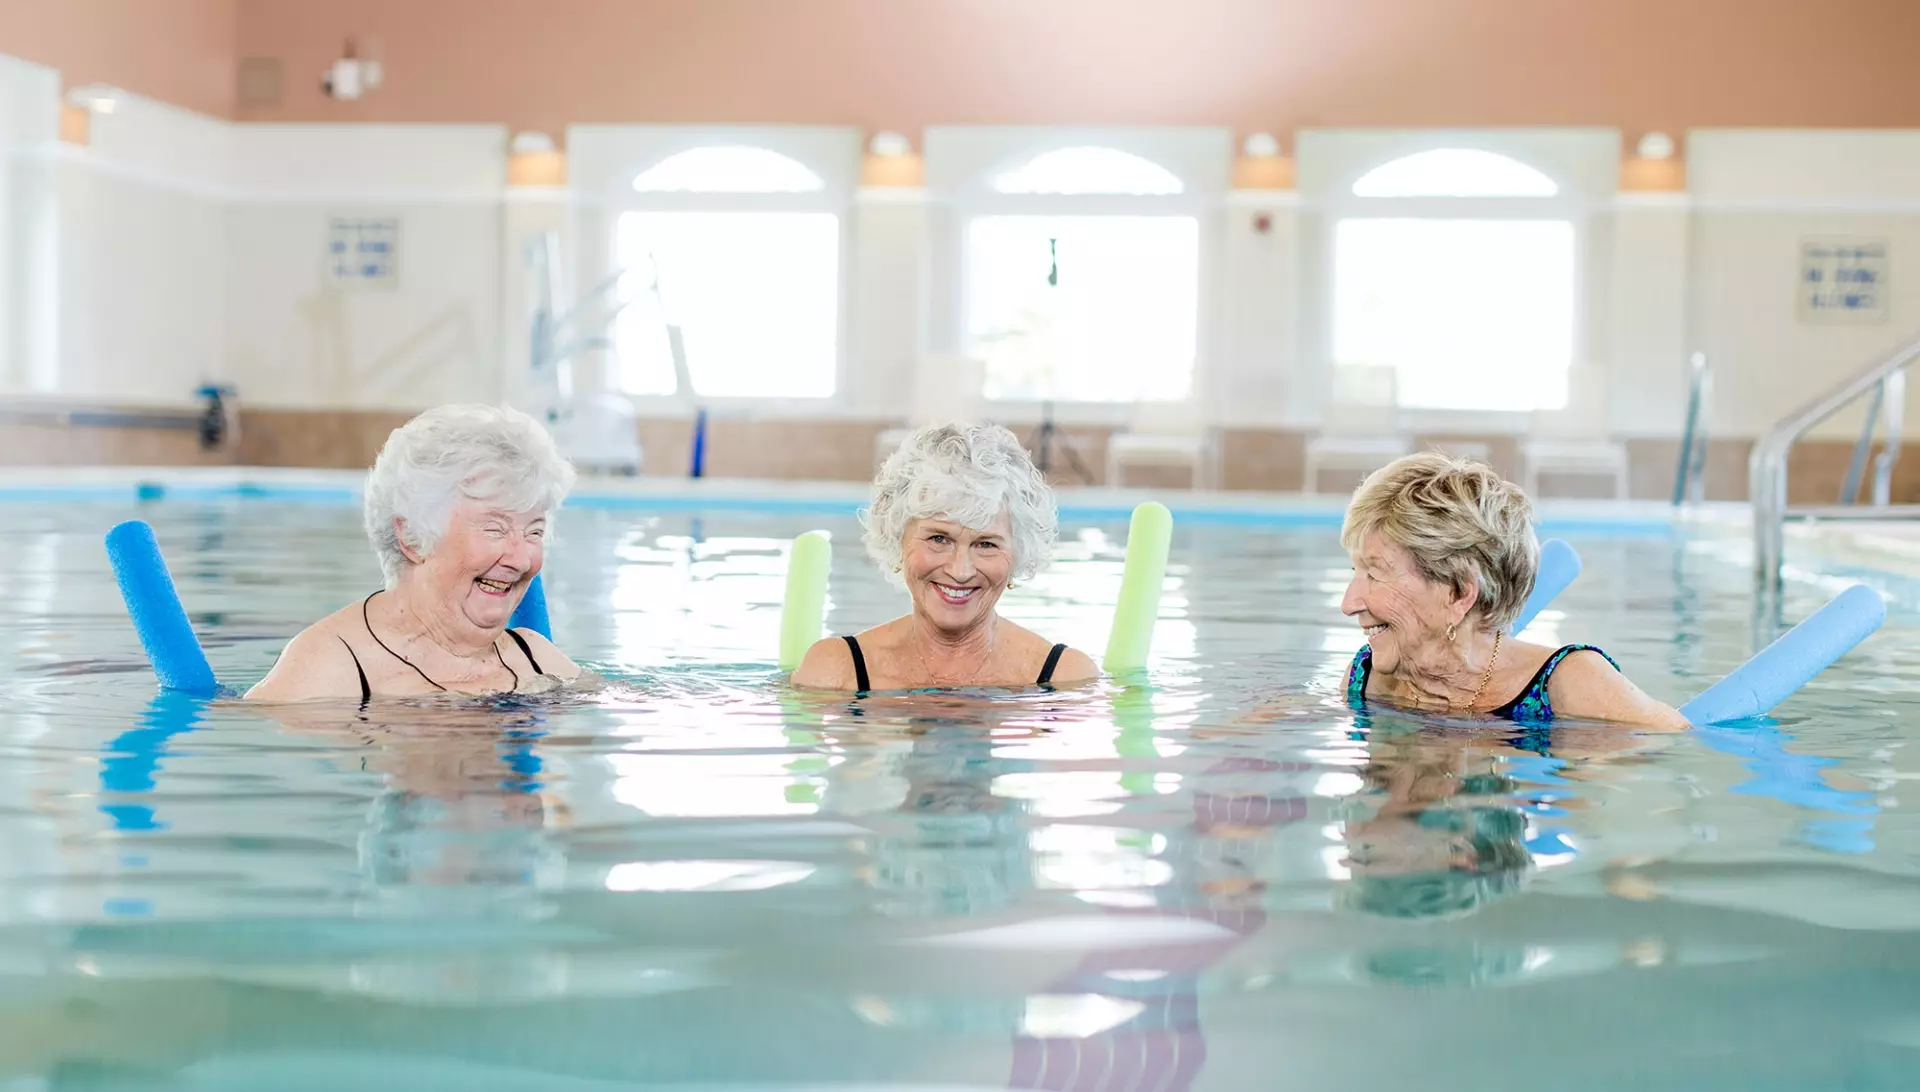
[
  {"x": 368, "y": 622},
  {"x": 862, "y": 684},
  {"x": 366, "y": 692},
  {"x": 1053, "y": 661},
  {"x": 527, "y": 651}
]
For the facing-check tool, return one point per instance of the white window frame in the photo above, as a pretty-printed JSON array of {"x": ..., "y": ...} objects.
[
  {"x": 1583, "y": 164},
  {"x": 613, "y": 156},
  {"x": 962, "y": 164}
]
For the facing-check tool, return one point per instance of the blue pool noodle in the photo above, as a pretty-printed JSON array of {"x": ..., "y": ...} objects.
[
  {"x": 532, "y": 611},
  {"x": 158, "y": 617},
  {"x": 1785, "y": 665},
  {"x": 1559, "y": 564}
]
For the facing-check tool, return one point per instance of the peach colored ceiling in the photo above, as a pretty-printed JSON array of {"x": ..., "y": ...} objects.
[
  {"x": 178, "y": 51},
  {"x": 1252, "y": 64}
]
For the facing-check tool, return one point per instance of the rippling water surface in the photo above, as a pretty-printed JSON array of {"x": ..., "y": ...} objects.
[{"x": 1223, "y": 879}]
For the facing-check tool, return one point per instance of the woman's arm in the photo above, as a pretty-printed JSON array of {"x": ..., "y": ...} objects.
[
  {"x": 828, "y": 665},
  {"x": 1586, "y": 686},
  {"x": 1075, "y": 666}
]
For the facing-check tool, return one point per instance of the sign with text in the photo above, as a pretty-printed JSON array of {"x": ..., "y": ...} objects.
[
  {"x": 1843, "y": 280},
  {"x": 363, "y": 253}
]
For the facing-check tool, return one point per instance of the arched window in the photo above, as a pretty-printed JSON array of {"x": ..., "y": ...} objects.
[
  {"x": 1095, "y": 304},
  {"x": 730, "y": 168},
  {"x": 1474, "y": 310},
  {"x": 1085, "y": 170},
  {"x": 746, "y": 293},
  {"x": 1455, "y": 172}
]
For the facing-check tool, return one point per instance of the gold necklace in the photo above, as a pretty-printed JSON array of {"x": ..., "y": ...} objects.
[{"x": 1485, "y": 676}]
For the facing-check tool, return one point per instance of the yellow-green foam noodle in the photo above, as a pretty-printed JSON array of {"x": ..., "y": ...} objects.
[
  {"x": 804, "y": 609},
  {"x": 1148, "y": 538}
]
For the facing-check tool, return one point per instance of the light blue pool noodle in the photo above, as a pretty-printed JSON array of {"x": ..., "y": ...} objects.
[
  {"x": 159, "y": 619},
  {"x": 1559, "y": 564},
  {"x": 1788, "y": 663},
  {"x": 532, "y": 611}
]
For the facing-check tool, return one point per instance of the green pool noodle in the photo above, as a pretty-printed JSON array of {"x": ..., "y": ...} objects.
[
  {"x": 1148, "y": 538},
  {"x": 805, "y": 608}
]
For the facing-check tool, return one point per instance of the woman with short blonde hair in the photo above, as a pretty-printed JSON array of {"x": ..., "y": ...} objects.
[{"x": 1444, "y": 557}]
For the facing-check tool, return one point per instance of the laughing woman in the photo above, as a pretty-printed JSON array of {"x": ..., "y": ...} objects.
[
  {"x": 457, "y": 508},
  {"x": 958, "y": 515},
  {"x": 1444, "y": 557}
]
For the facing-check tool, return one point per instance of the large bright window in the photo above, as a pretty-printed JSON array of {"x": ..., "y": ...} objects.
[
  {"x": 1084, "y": 308},
  {"x": 1471, "y": 314},
  {"x": 754, "y": 296},
  {"x": 742, "y": 287}
]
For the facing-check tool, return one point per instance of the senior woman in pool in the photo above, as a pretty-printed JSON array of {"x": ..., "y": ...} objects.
[
  {"x": 958, "y": 515},
  {"x": 457, "y": 508},
  {"x": 1444, "y": 556}
]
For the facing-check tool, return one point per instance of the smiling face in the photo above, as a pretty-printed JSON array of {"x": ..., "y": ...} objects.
[
  {"x": 1405, "y": 615},
  {"x": 483, "y": 563},
  {"x": 955, "y": 573}
]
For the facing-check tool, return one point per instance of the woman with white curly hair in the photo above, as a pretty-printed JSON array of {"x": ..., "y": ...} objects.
[
  {"x": 457, "y": 507},
  {"x": 958, "y": 515}
]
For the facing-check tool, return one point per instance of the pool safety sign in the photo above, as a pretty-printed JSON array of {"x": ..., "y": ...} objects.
[
  {"x": 363, "y": 253},
  {"x": 1843, "y": 280}
]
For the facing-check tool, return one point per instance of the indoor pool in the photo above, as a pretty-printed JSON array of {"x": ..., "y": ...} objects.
[{"x": 1224, "y": 880}]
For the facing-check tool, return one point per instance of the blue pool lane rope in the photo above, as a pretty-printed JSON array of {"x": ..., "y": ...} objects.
[
  {"x": 1559, "y": 565},
  {"x": 158, "y": 617},
  {"x": 1787, "y": 664},
  {"x": 532, "y": 611}
]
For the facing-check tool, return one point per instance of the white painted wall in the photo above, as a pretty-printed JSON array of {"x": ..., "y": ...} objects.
[
  {"x": 298, "y": 339},
  {"x": 1756, "y": 194},
  {"x": 1256, "y": 359},
  {"x": 141, "y": 255},
  {"x": 29, "y": 314}
]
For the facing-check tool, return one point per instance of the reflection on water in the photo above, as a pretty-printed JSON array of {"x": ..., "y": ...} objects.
[{"x": 1223, "y": 878}]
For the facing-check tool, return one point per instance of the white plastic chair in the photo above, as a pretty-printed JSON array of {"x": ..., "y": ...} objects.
[
  {"x": 1360, "y": 428},
  {"x": 1574, "y": 440},
  {"x": 1166, "y": 434},
  {"x": 944, "y": 389}
]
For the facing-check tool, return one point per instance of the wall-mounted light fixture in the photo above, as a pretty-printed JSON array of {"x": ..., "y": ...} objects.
[{"x": 889, "y": 143}]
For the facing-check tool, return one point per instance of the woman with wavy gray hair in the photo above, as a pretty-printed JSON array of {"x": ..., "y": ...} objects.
[
  {"x": 959, "y": 513},
  {"x": 457, "y": 507},
  {"x": 1444, "y": 557}
]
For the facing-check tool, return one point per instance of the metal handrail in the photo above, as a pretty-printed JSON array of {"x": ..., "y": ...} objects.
[
  {"x": 1767, "y": 467},
  {"x": 1689, "y": 479}
]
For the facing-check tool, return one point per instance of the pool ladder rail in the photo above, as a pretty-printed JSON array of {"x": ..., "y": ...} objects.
[
  {"x": 216, "y": 422},
  {"x": 1885, "y": 382}
]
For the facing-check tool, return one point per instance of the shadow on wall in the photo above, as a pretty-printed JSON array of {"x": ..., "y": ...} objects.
[{"x": 424, "y": 367}]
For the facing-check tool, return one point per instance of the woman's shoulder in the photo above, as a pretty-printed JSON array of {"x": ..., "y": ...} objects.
[
  {"x": 1072, "y": 666},
  {"x": 319, "y": 662},
  {"x": 1587, "y": 684},
  {"x": 827, "y": 665},
  {"x": 548, "y": 656}
]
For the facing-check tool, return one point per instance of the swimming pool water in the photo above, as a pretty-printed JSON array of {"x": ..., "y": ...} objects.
[{"x": 1222, "y": 880}]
